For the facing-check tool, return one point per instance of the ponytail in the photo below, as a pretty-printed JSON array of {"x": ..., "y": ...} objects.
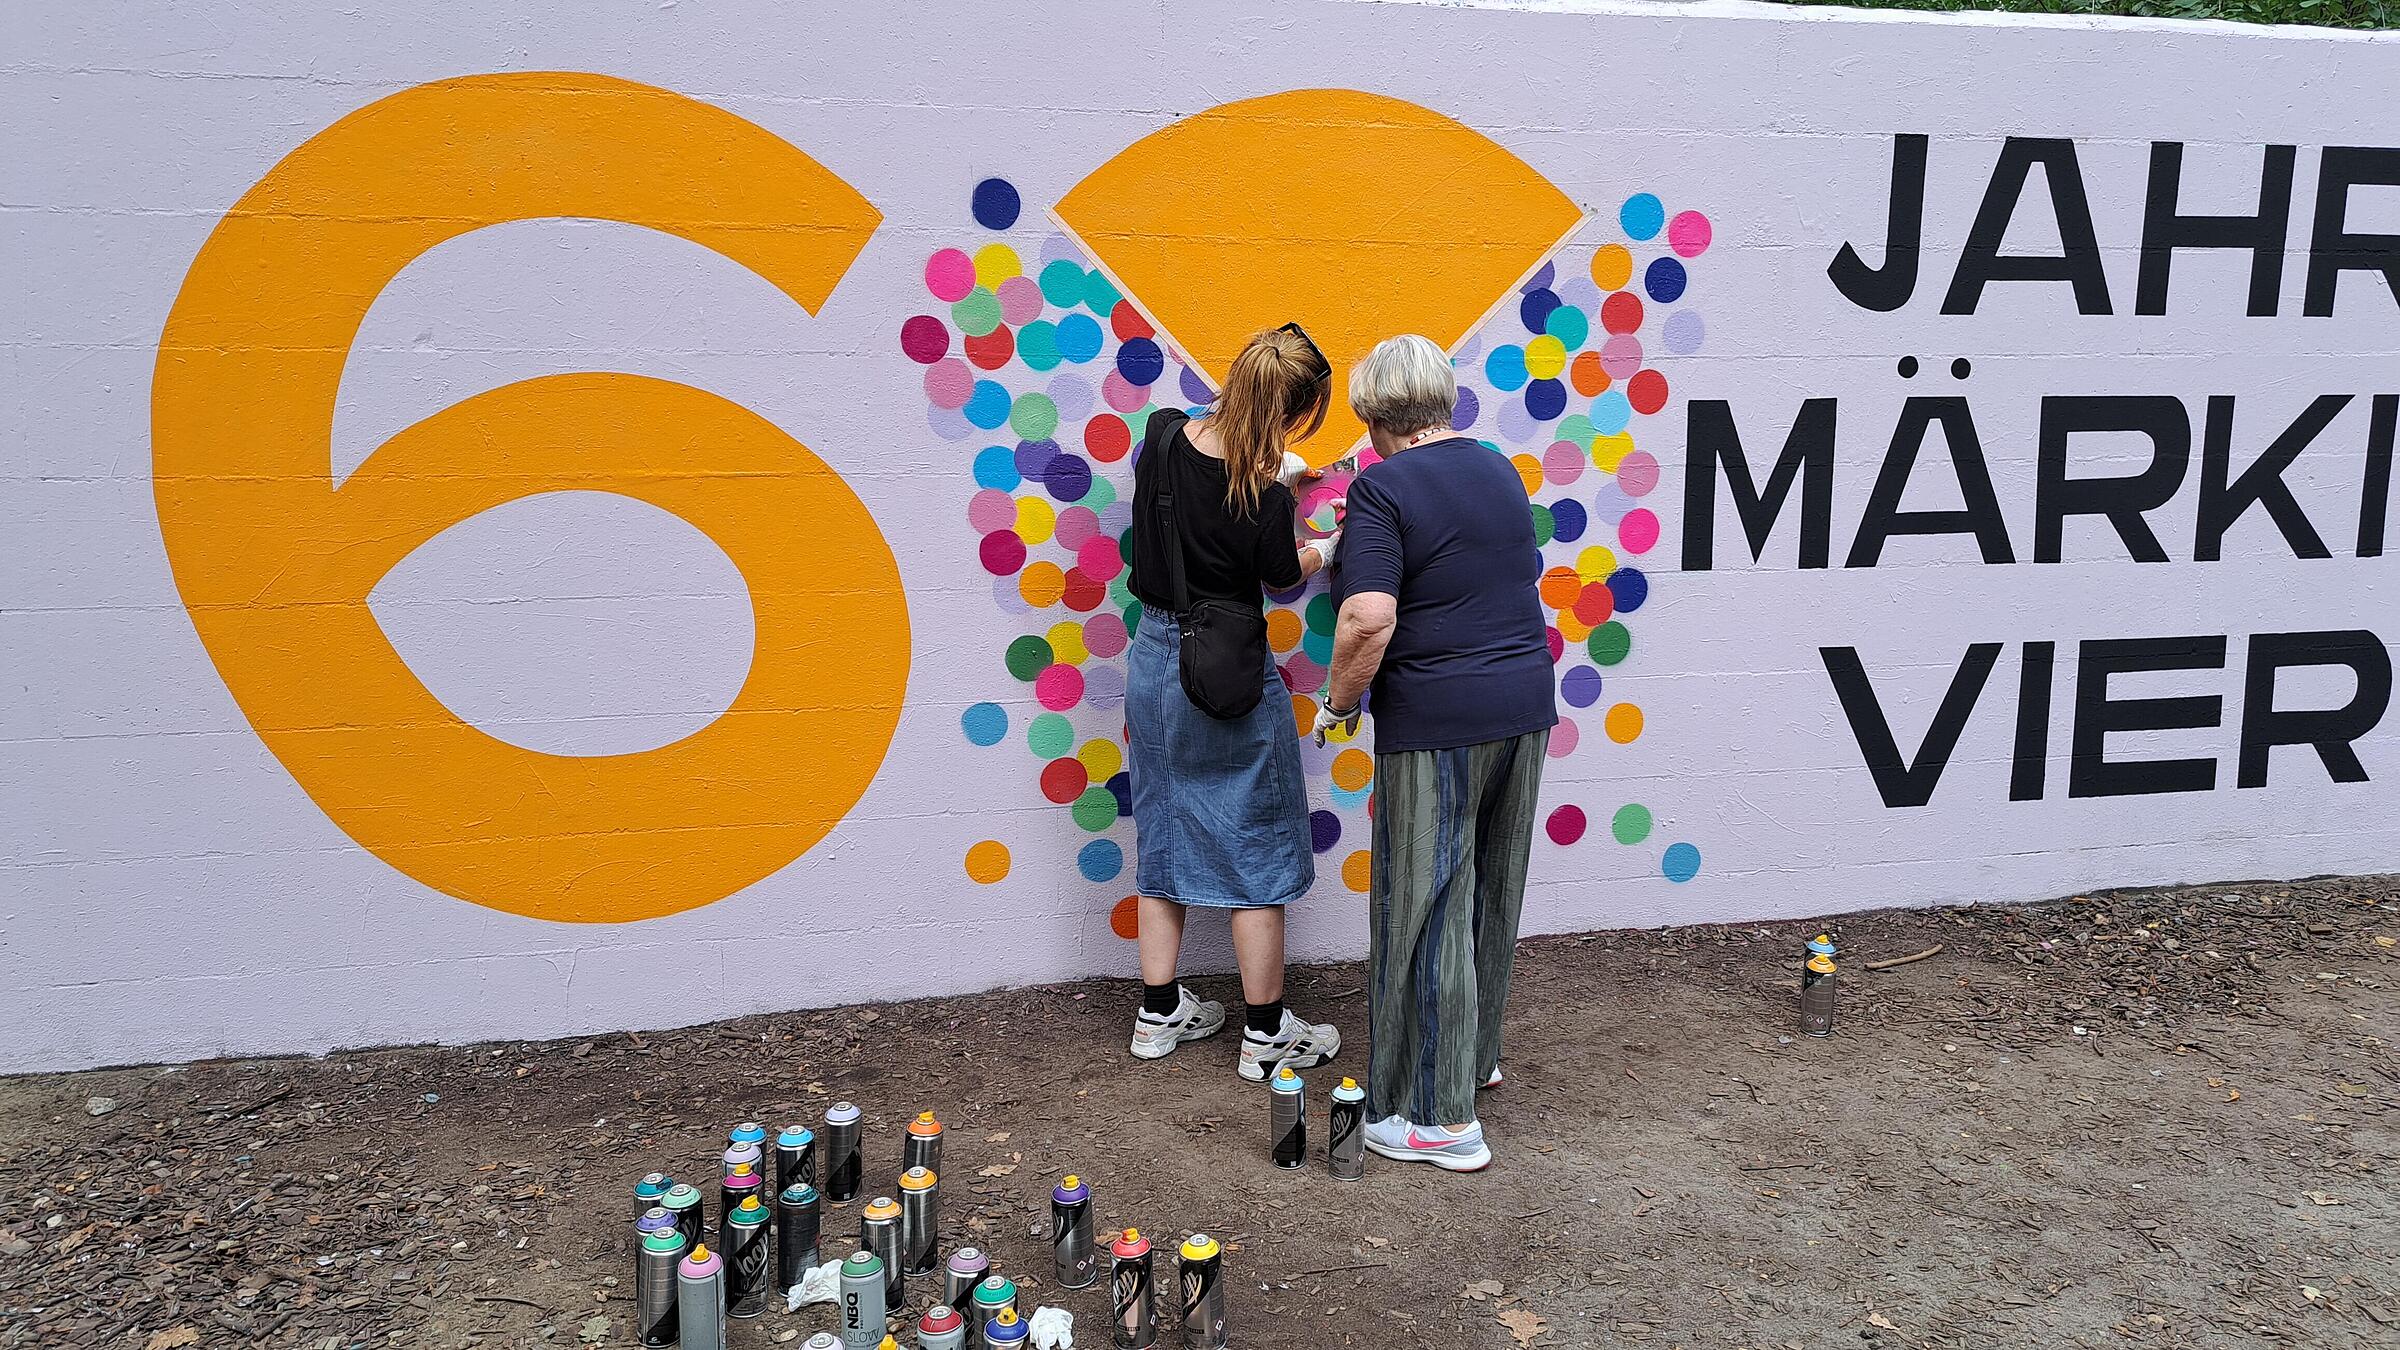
[{"x": 1276, "y": 390}]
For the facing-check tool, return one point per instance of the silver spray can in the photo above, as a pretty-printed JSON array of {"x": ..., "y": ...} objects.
[
  {"x": 879, "y": 1232},
  {"x": 862, "y": 1301},
  {"x": 922, "y": 1146},
  {"x": 920, "y": 1222},
  {"x": 654, "y": 1287},
  {"x": 1133, "y": 1296},
  {"x": 1203, "y": 1293},
  {"x": 746, "y": 1259},
  {"x": 684, "y": 1203},
  {"x": 796, "y": 1214},
  {"x": 1346, "y": 1139},
  {"x": 700, "y": 1300},
  {"x": 1078, "y": 1263},
  {"x": 823, "y": 1340},
  {"x": 1816, "y": 989},
  {"x": 843, "y": 1167}
]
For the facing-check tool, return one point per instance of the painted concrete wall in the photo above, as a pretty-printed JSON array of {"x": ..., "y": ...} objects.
[{"x": 525, "y": 520}]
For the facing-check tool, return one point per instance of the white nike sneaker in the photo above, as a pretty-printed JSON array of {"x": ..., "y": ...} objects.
[
  {"x": 1194, "y": 1019},
  {"x": 1459, "y": 1151},
  {"x": 1296, "y": 1044}
]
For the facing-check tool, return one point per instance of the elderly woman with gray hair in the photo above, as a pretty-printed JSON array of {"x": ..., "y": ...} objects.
[{"x": 1440, "y": 630}]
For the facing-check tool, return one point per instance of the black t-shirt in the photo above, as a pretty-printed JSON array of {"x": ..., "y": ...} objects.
[{"x": 1226, "y": 555}]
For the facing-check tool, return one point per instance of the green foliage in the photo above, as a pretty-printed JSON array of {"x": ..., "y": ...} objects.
[{"x": 2320, "y": 13}]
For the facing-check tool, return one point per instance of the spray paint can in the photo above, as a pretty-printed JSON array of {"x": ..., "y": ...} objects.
[
  {"x": 1346, "y": 1141},
  {"x": 842, "y": 1165},
  {"x": 1005, "y": 1331},
  {"x": 795, "y": 1234},
  {"x": 653, "y": 1220},
  {"x": 920, "y": 1222},
  {"x": 1816, "y": 996},
  {"x": 879, "y": 1232},
  {"x": 994, "y": 1295},
  {"x": 1287, "y": 1121},
  {"x": 1071, "y": 1233},
  {"x": 748, "y": 1134},
  {"x": 700, "y": 1300},
  {"x": 740, "y": 1184},
  {"x": 684, "y": 1203},
  {"x": 823, "y": 1340},
  {"x": 1203, "y": 1293},
  {"x": 654, "y": 1286},
  {"x": 941, "y": 1328},
  {"x": 922, "y": 1146},
  {"x": 742, "y": 1155},
  {"x": 649, "y": 1191},
  {"x": 862, "y": 1301},
  {"x": 795, "y": 1159},
  {"x": 1133, "y": 1296},
  {"x": 968, "y": 1266},
  {"x": 746, "y": 1258}
]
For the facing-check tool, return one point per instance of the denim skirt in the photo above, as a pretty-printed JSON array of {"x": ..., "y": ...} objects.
[{"x": 1220, "y": 815}]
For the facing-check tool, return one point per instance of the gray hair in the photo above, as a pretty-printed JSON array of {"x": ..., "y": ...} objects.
[{"x": 1405, "y": 385}]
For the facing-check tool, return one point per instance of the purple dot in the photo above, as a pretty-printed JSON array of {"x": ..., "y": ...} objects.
[
  {"x": 1469, "y": 408},
  {"x": 1033, "y": 458},
  {"x": 949, "y": 423},
  {"x": 1324, "y": 830},
  {"x": 1684, "y": 332},
  {"x": 1068, "y": 477},
  {"x": 1540, "y": 281},
  {"x": 1072, "y": 395},
  {"x": 1581, "y": 687},
  {"x": 1195, "y": 389},
  {"x": 1516, "y": 424},
  {"x": 1103, "y": 684}
]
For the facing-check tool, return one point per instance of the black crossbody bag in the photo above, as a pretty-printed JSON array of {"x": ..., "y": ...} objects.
[{"x": 1224, "y": 656}]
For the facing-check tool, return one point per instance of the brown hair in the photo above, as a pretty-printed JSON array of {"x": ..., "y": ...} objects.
[{"x": 1276, "y": 390}]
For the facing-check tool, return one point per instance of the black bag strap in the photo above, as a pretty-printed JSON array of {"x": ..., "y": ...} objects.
[{"x": 1163, "y": 450}]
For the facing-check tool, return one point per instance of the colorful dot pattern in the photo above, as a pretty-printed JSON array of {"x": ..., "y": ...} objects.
[{"x": 1043, "y": 376}]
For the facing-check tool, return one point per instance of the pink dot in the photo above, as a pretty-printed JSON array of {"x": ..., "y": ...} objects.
[
  {"x": 1637, "y": 473},
  {"x": 1076, "y": 526},
  {"x": 1003, "y": 553},
  {"x": 1104, "y": 634},
  {"x": 1563, "y": 462},
  {"x": 924, "y": 339},
  {"x": 949, "y": 274},
  {"x": 991, "y": 509},
  {"x": 1688, "y": 234},
  {"x": 1059, "y": 687},
  {"x": 948, "y": 383},
  {"x": 1122, "y": 394},
  {"x": 1566, "y": 825},
  {"x": 1638, "y": 532},
  {"x": 1622, "y": 356},
  {"x": 1564, "y": 737},
  {"x": 1020, "y": 301},
  {"x": 1558, "y": 645},
  {"x": 1099, "y": 558},
  {"x": 1301, "y": 675}
]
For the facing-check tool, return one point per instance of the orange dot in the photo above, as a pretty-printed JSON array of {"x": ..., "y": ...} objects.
[
  {"x": 1529, "y": 470},
  {"x": 1352, "y": 769},
  {"x": 1304, "y": 714},
  {"x": 1560, "y": 586},
  {"x": 1612, "y": 266},
  {"x": 1624, "y": 723},
  {"x": 1125, "y": 920},
  {"x": 1041, "y": 584},
  {"x": 1573, "y": 629},
  {"x": 1283, "y": 629},
  {"x": 987, "y": 862},
  {"x": 1590, "y": 378},
  {"x": 1358, "y": 871}
]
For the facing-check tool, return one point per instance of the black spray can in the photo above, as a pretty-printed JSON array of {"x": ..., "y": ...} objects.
[
  {"x": 922, "y": 1145},
  {"x": 967, "y": 1267},
  {"x": 654, "y": 1318},
  {"x": 843, "y": 1167},
  {"x": 684, "y": 1203},
  {"x": 796, "y": 1215},
  {"x": 746, "y": 1259},
  {"x": 1287, "y": 1123},
  {"x": 1077, "y": 1261},
  {"x": 1203, "y": 1293},
  {"x": 650, "y": 1192},
  {"x": 1132, "y": 1292},
  {"x": 795, "y": 1159},
  {"x": 920, "y": 1222},
  {"x": 879, "y": 1232},
  {"x": 1346, "y": 1140},
  {"x": 1816, "y": 989}
]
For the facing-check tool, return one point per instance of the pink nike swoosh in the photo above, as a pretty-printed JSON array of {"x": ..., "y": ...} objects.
[{"x": 1418, "y": 1141}]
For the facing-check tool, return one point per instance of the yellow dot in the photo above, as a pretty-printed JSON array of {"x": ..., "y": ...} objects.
[
  {"x": 1066, "y": 642},
  {"x": 1283, "y": 629},
  {"x": 995, "y": 263},
  {"x": 1529, "y": 471},
  {"x": 1358, "y": 871},
  {"x": 1612, "y": 266},
  {"x": 1352, "y": 769},
  {"x": 987, "y": 862},
  {"x": 1624, "y": 723},
  {"x": 1036, "y": 520},
  {"x": 1572, "y": 628},
  {"x": 1610, "y": 451},
  {"x": 1595, "y": 563},
  {"x": 1545, "y": 357},
  {"x": 1101, "y": 759},
  {"x": 1041, "y": 584}
]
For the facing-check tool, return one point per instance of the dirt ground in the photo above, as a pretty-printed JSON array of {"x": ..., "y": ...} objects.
[{"x": 2157, "y": 1118}]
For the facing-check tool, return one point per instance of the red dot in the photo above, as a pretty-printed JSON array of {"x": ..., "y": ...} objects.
[
  {"x": 1594, "y": 606},
  {"x": 1107, "y": 438},
  {"x": 1083, "y": 594},
  {"x": 1128, "y": 323},
  {"x": 1063, "y": 780},
  {"x": 993, "y": 349},
  {"x": 1646, "y": 391},
  {"x": 1566, "y": 825},
  {"x": 1621, "y": 313}
]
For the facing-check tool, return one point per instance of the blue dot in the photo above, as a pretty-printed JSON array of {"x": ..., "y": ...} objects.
[
  {"x": 1629, "y": 587},
  {"x": 1121, "y": 786},
  {"x": 996, "y": 468},
  {"x": 988, "y": 406},
  {"x": 1610, "y": 413},
  {"x": 1681, "y": 862},
  {"x": 1580, "y": 687},
  {"x": 985, "y": 723},
  {"x": 1067, "y": 477},
  {"x": 1642, "y": 216},
  {"x": 1545, "y": 399},
  {"x": 1140, "y": 362},
  {"x": 1079, "y": 338},
  {"x": 1505, "y": 367},
  {"x": 996, "y": 204},
  {"x": 1535, "y": 310},
  {"x": 1101, "y": 860},
  {"x": 1664, "y": 280},
  {"x": 1567, "y": 521},
  {"x": 1324, "y": 830}
]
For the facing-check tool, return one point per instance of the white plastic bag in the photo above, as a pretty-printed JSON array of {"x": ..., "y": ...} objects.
[
  {"x": 1053, "y": 1329},
  {"x": 822, "y": 1284}
]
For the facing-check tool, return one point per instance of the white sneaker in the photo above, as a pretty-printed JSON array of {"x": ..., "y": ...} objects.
[
  {"x": 1296, "y": 1045},
  {"x": 1495, "y": 1080},
  {"x": 1194, "y": 1019},
  {"x": 1460, "y": 1151}
]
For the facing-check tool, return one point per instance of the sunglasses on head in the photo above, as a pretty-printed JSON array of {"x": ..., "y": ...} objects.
[{"x": 1314, "y": 350}]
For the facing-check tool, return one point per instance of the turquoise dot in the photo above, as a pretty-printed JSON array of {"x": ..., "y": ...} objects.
[
  {"x": 988, "y": 406},
  {"x": 1505, "y": 367},
  {"x": 1100, "y": 496},
  {"x": 985, "y": 723},
  {"x": 1642, "y": 216},
  {"x": 1577, "y": 428},
  {"x": 1569, "y": 325},
  {"x": 1100, "y": 860},
  {"x": 1037, "y": 344},
  {"x": 1317, "y": 647},
  {"x": 1050, "y": 735},
  {"x": 1610, "y": 413},
  {"x": 1099, "y": 294},
  {"x": 1078, "y": 338},
  {"x": 1681, "y": 862},
  {"x": 996, "y": 468},
  {"x": 1062, "y": 284}
]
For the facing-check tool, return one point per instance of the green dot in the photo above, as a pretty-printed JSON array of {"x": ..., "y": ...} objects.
[
  {"x": 1544, "y": 527},
  {"x": 1050, "y": 735},
  {"x": 1029, "y": 656},
  {"x": 1063, "y": 284},
  {"x": 1133, "y": 618},
  {"x": 977, "y": 312},
  {"x": 1609, "y": 643},
  {"x": 1577, "y": 428},
  {"x": 1037, "y": 344},
  {"x": 1099, "y": 294},
  {"x": 1096, "y": 809},
  {"x": 1119, "y": 593},
  {"x": 1033, "y": 416},
  {"x": 1319, "y": 613},
  {"x": 1631, "y": 824},
  {"x": 1138, "y": 423},
  {"x": 1101, "y": 496}
]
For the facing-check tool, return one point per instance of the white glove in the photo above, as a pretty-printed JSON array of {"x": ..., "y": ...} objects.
[
  {"x": 1053, "y": 1329},
  {"x": 1294, "y": 469},
  {"x": 1328, "y": 719},
  {"x": 821, "y": 1284},
  {"x": 1324, "y": 548}
]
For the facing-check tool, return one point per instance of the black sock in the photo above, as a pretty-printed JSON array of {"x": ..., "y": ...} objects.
[
  {"x": 1161, "y": 1000},
  {"x": 1266, "y": 1018}
]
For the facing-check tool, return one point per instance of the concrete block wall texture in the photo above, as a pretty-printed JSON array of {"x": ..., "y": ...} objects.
[{"x": 528, "y": 521}]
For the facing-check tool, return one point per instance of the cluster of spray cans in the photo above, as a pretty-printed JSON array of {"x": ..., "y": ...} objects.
[
  {"x": 1346, "y": 1135},
  {"x": 686, "y": 1290}
]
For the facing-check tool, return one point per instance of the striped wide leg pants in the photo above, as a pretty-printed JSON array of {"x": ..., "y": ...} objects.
[{"x": 1453, "y": 830}]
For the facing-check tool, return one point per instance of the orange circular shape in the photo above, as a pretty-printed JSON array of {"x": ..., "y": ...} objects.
[
  {"x": 1283, "y": 629},
  {"x": 1304, "y": 715},
  {"x": 1529, "y": 471},
  {"x": 1589, "y": 377},
  {"x": 1353, "y": 769},
  {"x": 1125, "y": 918},
  {"x": 1041, "y": 584},
  {"x": 1612, "y": 266},
  {"x": 1358, "y": 871},
  {"x": 1560, "y": 587},
  {"x": 1624, "y": 723},
  {"x": 987, "y": 862},
  {"x": 1573, "y": 629}
]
